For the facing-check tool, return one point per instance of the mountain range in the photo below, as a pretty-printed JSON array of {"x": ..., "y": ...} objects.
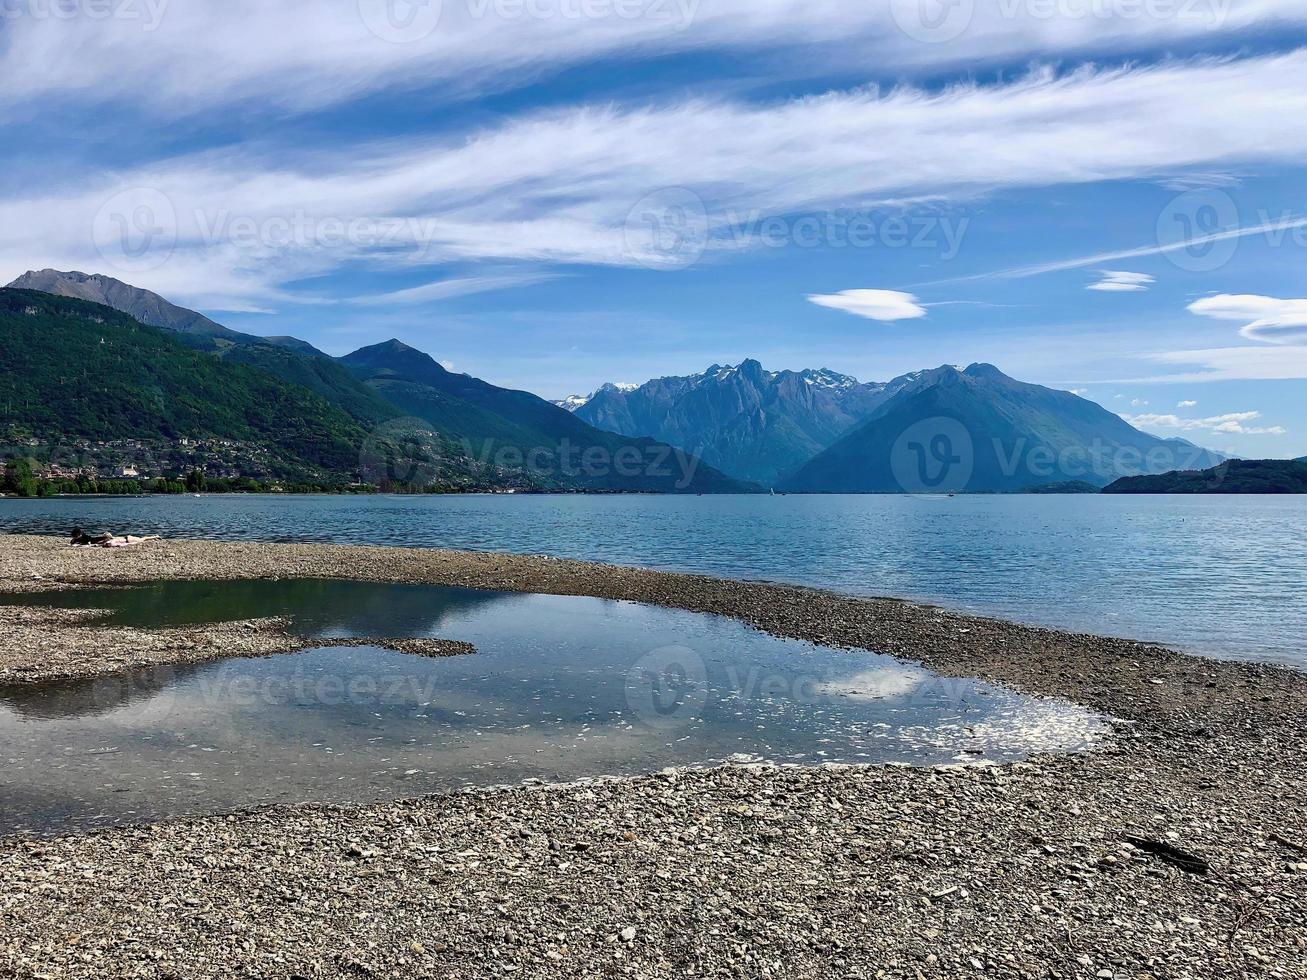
[
  {"x": 976, "y": 429},
  {"x": 755, "y": 424},
  {"x": 91, "y": 357},
  {"x": 948, "y": 429}
]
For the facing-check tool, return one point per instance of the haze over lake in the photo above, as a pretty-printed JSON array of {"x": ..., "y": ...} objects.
[{"x": 1222, "y": 576}]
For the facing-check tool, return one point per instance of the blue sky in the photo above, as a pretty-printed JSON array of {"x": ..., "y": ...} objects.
[{"x": 1104, "y": 195}]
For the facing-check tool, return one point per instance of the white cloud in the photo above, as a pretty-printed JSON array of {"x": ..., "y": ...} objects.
[
  {"x": 1138, "y": 403},
  {"x": 1122, "y": 282},
  {"x": 886, "y": 305},
  {"x": 560, "y": 186},
  {"x": 1188, "y": 403},
  {"x": 1274, "y": 321},
  {"x": 1232, "y": 423},
  {"x": 1082, "y": 392}
]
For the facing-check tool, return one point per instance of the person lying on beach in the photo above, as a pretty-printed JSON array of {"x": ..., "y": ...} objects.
[
  {"x": 105, "y": 540},
  {"x": 80, "y": 537}
]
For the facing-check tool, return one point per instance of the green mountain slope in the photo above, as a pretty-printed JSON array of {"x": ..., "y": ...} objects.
[
  {"x": 287, "y": 358},
  {"x": 74, "y": 369},
  {"x": 1232, "y": 476},
  {"x": 320, "y": 374},
  {"x": 980, "y": 431},
  {"x": 515, "y": 429}
]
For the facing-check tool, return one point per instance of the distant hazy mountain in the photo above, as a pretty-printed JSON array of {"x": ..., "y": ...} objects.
[
  {"x": 978, "y": 430},
  {"x": 749, "y": 422},
  {"x": 1232, "y": 476},
  {"x": 496, "y": 424}
]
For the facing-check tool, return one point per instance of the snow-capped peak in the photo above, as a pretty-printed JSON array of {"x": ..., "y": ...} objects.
[
  {"x": 826, "y": 378},
  {"x": 575, "y": 402}
]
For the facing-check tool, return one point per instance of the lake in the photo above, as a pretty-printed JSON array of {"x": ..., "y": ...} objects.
[
  {"x": 1222, "y": 576},
  {"x": 560, "y": 688}
]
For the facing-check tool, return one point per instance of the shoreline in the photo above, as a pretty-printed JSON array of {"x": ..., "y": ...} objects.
[
  {"x": 1136, "y": 681},
  {"x": 1059, "y": 865}
]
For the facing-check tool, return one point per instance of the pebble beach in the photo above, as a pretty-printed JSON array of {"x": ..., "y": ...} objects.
[{"x": 1177, "y": 848}]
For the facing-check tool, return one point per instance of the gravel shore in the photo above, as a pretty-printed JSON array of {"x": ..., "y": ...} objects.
[
  {"x": 1178, "y": 850},
  {"x": 47, "y": 645}
]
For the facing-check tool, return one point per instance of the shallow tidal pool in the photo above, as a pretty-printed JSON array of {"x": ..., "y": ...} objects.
[{"x": 560, "y": 688}]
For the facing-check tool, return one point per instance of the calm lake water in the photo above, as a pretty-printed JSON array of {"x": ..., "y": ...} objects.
[
  {"x": 1224, "y": 576},
  {"x": 560, "y": 688}
]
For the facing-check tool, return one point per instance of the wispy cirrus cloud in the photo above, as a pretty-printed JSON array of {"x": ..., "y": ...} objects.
[
  {"x": 561, "y": 186},
  {"x": 452, "y": 288},
  {"x": 1270, "y": 228},
  {"x": 179, "y": 59},
  {"x": 1259, "y": 363}
]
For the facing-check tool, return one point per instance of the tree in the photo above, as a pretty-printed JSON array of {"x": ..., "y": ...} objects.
[
  {"x": 19, "y": 478},
  {"x": 195, "y": 481}
]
